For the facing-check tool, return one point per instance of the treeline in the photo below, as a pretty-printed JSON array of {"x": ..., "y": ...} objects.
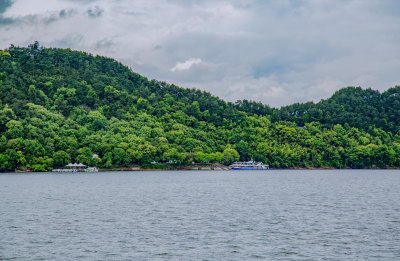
[
  {"x": 355, "y": 106},
  {"x": 59, "y": 105}
]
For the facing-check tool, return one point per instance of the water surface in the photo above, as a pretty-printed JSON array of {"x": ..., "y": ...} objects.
[{"x": 201, "y": 215}]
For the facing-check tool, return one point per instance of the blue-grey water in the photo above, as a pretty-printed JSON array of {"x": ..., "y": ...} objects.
[{"x": 201, "y": 215}]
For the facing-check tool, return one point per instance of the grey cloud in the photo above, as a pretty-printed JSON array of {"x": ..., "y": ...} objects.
[
  {"x": 82, "y": 1},
  {"x": 284, "y": 53},
  {"x": 6, "y": 21},
  {"x": 388, "y": 7},
  {"x": 72, "y": 40},
  {"x": 104, "y": 43},
  {"x": 276, "y": 52},
  {"x": 95, "y": 12},
  {"x": 64, "y": 13},
  {"x": 186, "y": 3},
  {"x": 38, "y": 19},
  {"x": 4, "y": 4}
]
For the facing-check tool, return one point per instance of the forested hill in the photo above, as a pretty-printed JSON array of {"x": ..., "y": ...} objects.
[
  {"x": 363, "y": 109},
  {"x": 59, "y": 105},
  {"x": 357, "y": 107},
  {"x": 65, "y": 81}
]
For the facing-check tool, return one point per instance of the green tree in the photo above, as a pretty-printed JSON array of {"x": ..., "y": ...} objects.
[
  {"x": 243, "y": 149},
  {"x": 120, "y": 157},
  {"x": 6, "y": 114},
  {"x": 14, "y": 129},
  {"x": 61, "y": 158},
  {"x": 5, "y": 162},
  {"x": 96, "y": 120},
  {"x": 202, "y": 157},
  {"x": 175, "y": 156},
  {"x": 229, "y": 156}
]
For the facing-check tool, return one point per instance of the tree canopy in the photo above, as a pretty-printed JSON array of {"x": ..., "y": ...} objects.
[{"x": 59, "y": 105}]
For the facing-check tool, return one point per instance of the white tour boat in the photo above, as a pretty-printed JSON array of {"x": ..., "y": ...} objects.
[{"x": 249, "y": 165}]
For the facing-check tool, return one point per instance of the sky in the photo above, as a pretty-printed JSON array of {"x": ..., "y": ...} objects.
[{"x": 277, "y": 52}]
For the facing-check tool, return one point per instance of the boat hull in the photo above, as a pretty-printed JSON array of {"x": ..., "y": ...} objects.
[{"x": 248, "y": 168}]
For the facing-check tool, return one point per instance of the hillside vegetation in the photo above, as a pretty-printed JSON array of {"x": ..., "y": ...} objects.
[{"x": 59, "y": 105}]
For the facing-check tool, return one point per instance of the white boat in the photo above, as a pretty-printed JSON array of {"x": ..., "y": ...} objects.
[
  {"x": 249, "y": 165},
  {"x": 91, "y": 169}
]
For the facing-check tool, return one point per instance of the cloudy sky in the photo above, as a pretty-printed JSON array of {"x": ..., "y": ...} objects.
[{"x": 274, "y": 51}]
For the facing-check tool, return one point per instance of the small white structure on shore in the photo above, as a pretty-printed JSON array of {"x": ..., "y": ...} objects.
[{"x": 76, "y": 167}]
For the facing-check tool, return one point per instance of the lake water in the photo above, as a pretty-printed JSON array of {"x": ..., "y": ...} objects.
[{"x": 201, "y": 215}]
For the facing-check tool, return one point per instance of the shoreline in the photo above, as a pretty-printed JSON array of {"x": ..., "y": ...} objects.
[{"x": 219, "y": 168}]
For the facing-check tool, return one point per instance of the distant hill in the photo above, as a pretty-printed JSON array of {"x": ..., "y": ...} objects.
[
  {"x": 59, "y": 105},
  {"x": 353, "y": 106}
]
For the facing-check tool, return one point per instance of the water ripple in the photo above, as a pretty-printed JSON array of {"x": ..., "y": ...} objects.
[{"x": 275, "y": 215}]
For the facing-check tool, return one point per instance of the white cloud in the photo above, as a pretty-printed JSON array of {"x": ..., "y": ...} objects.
[
  {"x": 276, "y": 52},
  {"x": 186, "y": 65}
]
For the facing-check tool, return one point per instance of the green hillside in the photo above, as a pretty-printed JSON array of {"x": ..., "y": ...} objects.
[
  {"x": 59, "y": 105},
  {"x": 363, "y": 109}
]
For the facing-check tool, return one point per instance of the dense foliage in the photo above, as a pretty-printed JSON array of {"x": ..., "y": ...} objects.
[
  {"x": 59, "y": 105},
  {"x": 363, "y": 109}
]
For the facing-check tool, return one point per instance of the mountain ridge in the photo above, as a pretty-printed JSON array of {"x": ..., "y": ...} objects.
[{"x": 59, "y": 105}]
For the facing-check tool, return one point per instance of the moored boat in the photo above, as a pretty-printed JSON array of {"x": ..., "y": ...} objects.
[{"x": 249, "y": 165}]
